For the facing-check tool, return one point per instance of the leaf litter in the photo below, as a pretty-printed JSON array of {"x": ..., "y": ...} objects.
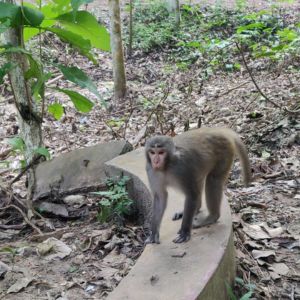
[{"x": 266, "y": 214}]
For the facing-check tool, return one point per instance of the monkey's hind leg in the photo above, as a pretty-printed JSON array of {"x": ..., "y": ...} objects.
[{"x": 213, "y": 194}]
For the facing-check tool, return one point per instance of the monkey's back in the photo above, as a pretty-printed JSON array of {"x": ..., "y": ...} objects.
[{"x": 217, "y": 140}]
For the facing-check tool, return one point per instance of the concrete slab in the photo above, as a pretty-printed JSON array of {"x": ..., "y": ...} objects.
[
  {"x": 77, "y": 170},
  {"x": 160, "y": 273}
]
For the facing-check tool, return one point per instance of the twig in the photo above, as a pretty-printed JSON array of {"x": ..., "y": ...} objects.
[
  {"x": 24, "y": 217},
  {"x": 55, "y": 79},
  {"x": 25, "y": 170},
  {"x": 297, "y": 111},
  {"x": 234, "y": 88},
  {"x": 165, "y": 96},
  {"x": 13, "y": 226},
  {"x": 252, "y": 78}
]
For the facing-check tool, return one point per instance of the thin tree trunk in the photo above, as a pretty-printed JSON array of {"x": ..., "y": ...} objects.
[
  {"x": 117, "y": 49},
  {"x": 173, "y": 7},
  {"x": 130, "y": 28},
  {"x": 28, "y": 117}
]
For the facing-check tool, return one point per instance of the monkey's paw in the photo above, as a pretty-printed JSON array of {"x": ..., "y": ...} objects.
[
  {"x": 177, "y": 216},
  {"x": 182, "y": 237},
  {"x": 153, "y": 239}
]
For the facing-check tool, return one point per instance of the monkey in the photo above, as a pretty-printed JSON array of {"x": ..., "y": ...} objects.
[{"x": 196, "y": 160}]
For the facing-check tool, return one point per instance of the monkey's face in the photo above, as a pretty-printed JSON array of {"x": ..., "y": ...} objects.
[
  {"x": 159, "y": 150},
  {"x": 158, "y": 158}
]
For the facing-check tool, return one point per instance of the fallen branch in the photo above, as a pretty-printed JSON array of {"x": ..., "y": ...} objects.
[
  {"x": 33, "y": 162},
  {"x": 12, "y": 226},
  {"x": 24, "y": 217},
  {"x": 234, "y": 88}
]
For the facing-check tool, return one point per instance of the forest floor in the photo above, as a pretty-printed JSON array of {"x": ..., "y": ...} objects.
[{"x": 164, "y": 98}]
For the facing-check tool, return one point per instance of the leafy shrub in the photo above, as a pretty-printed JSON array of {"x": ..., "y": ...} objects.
[
  {"x": 208, "y": 35},
  {"x": 115, "y": 203}
]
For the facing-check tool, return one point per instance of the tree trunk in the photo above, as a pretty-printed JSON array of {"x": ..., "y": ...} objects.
[
  {"x": 130, "y": 28},
  {"x": 27, "y": 114},
  {"x": 117, "y": 49},
  {"x": 173, "y": 7}
]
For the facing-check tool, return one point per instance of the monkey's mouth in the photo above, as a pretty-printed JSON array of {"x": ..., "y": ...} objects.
[{"x": 158, "y": 168}]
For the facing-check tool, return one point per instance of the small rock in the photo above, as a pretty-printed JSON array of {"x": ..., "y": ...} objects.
[{"x": 74, "y": 200}]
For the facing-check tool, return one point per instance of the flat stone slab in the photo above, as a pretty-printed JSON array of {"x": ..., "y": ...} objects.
[
  {"x": 197, "y": 269},
  {"x": 76, "y": 170}
]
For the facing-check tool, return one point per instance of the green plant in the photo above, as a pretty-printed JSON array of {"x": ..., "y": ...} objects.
[
  {"x": 208, "y": 36},
  {"x": 18, "y": 147},
  {"x": 10, "y": 251},
  {"x": 63, "y": 19},
  {"x": 241, "y": 285},
  {"x": 116, "y": 202}
]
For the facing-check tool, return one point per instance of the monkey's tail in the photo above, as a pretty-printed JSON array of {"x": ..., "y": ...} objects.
[{"x": 243, "y": 156}]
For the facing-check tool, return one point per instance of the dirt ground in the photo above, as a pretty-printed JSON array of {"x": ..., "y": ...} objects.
[{"x": 85, "y": 260}]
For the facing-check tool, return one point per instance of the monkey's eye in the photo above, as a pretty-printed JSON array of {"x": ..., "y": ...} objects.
[
  {"x": 152, "y": 152},
  {"x": 161, "y": 152}
]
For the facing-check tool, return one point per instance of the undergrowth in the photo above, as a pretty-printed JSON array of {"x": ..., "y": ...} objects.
[
  {"x": 115, "y": 203},
  {"x": 209, "y": 36}
]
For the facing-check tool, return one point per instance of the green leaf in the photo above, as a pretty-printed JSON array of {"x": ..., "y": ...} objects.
[
  {"x": 287, "y": 34},
  {"x": 73, "y": 269},
  {"x": 35, "y": 69},
  {"x": 4, "y": 25},
  {"x": 79, "y": 77},
  {"x": 105, "y": 202},
  {"x": 86, "y": 25},
  {"x": 77, "y": 3},
  {"x": 9, "y": 49},
  {"x": 32, "y": 17},
  {"x": 56, "y": 110},
  {"x": 38, "y": 88},
  {"x": 10, "y": 12},
  {"x": 258, "y": 25},
  {"x": 43, "y": 151},
  {"x": 83, "y": 45},
  {"x": 265, "y": 154},
  {"x": 16, "y": 143},
  {"x": 239, "y": 280},
  {"x": 247, "y": 296},
  {"x": 50, "y": 12},
  {"x": 81, "y": 103},
  {"x": 230, "y": 292},
  {"x": 5, "y": 69},
  {"x": 8, "y": 250},
  {"x": 20, "y": 15}
]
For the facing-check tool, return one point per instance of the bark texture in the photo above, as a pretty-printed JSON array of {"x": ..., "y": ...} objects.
[{"x": 117, "y": 49}]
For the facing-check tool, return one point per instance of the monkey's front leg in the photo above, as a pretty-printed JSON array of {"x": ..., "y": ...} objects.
[
  {"x": 184, "y": 233},
  {"x": 159, "y": 206}
]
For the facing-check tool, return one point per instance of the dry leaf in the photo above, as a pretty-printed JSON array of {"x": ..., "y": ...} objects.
[
  {"x": 255, "y": 231},
  {"x": 253, "y": 245},
  {"x": 280, "y": 268},
  {"x": 20, "y": 284},
  {"x": 269, "y": 255},
  {"x": 273, "y": 232},
  {"x": 60, "y": 249}
]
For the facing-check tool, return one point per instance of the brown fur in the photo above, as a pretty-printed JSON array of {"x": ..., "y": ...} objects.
[{"x": 198, "y": 159}]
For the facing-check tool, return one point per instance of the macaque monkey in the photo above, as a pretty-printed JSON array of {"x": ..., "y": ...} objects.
[{"x": 198, "y": 159}]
